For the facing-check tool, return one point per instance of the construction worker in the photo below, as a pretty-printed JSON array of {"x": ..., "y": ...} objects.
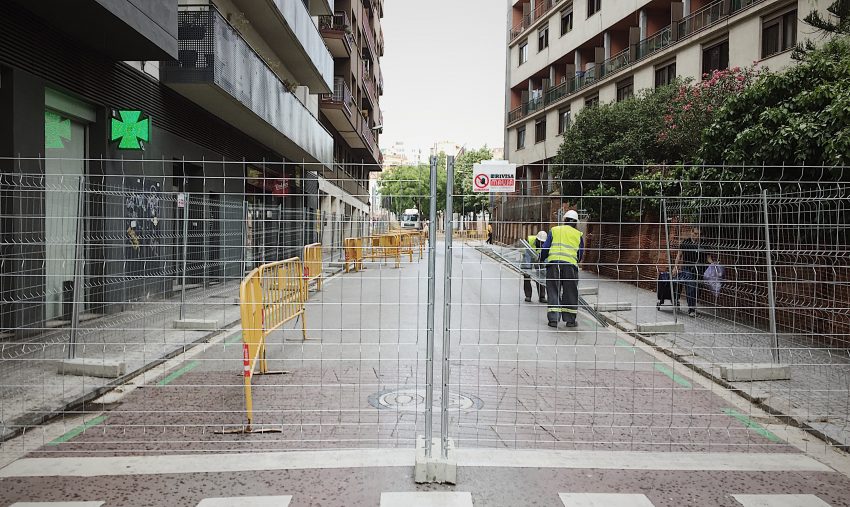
[
  {"x": 562, "y": 252},
  {"x": 531, "y": 260}
]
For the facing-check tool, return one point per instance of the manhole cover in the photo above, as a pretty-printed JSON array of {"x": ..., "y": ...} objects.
[{"x": 413, "y": 400}]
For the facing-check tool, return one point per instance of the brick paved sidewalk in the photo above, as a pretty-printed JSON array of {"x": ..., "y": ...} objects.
[{"x": 816, "y": 397}]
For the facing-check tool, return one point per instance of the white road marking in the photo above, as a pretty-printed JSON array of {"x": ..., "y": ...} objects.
[
  {"x": 426, "y": 499},
  {"x": 57, "y": 504},
  {"x": 604, "y": 500},
  {"x": 369, "y": 458},
  {"x": 247, "y": 501},
  {"x": 780, "y": 501}
]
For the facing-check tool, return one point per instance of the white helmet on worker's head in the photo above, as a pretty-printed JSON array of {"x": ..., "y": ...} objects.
[
  {"x": 542, "y": 236},
  {"x": 571, "y": 216}
]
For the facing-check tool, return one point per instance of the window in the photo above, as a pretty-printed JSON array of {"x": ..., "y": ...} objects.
[
  {"x": 625, "y": 89},
  {"x": 563, "y": 120},
  {"x": 566, "y": 20},
  {"x": 523, "y": 53},
  {"x": 779, "y": 34},
  {"x": 520, "y": 138},
  {"x": 591, "y": 101},
  {"x": 593, "y": 6},
  {"x": 542, "y": 39},
  {"x": 665, "y": 74},
  {"x": 715, "y": 57},
  {"x": 540, "y": 130}
]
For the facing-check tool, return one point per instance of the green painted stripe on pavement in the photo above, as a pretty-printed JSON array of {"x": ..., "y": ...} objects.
[
  {"x": 675, "y": 378},
  {"x": 749, "y": 423},
  {"x": 79, "y": 429},
  {"x": 179, "y": 373},
  {"x": 623, "y": 343},
  {"x": 233, "y": 339}
]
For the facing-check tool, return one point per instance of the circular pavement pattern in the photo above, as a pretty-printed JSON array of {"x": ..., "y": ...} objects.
[{"x": 413, "y": 400}]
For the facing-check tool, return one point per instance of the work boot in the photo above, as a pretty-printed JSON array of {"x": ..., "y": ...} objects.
[
  {"x": 528, "y": 300},
  {"x": 553, "y": 323},
  {"x": 572, "y": 323}
]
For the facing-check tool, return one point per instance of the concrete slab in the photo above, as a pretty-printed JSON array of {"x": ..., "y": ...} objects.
[
  {"x": 196, "y": 324},
  {"x": 661, "y": 327},
  {"x": 247, "y": 501},
  {"x": 752, "y": 372},
  {"x": 613, "y": 307},
  {"x": 426, "y": 499},
  {"x": 101, "y": 368},
  {"x": 780, "y": 501},
  {"x": 434, "y": 469},
  {"x": 604, "y": 500},
  {"x": 57, "y": 504},
  {"x": 588, "y": 291}
]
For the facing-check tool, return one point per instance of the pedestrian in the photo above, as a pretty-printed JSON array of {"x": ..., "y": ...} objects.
[
  {"x": 562, "y": 252},
  {"x": 531, "y": 261},
  {"x": 688, "y": 268},
  {"x": 489, "y": 234}
]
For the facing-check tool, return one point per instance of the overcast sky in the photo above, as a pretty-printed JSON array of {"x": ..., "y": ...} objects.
[{"x": 444, "y": 72}]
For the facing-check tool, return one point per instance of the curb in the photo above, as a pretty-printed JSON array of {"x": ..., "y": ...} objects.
[{"x": 23, "y": 423}]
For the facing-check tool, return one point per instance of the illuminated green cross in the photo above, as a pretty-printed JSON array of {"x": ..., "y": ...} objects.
[
  {"x": 130, "y": 130},
  {"x": 56, "y": 129}
]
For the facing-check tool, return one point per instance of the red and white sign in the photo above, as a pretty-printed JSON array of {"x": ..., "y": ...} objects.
[
  {"x": 246, "y": 360},
  {"x": 495, "y": 176}
]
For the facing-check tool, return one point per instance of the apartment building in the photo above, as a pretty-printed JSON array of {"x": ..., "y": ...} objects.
[
  {"x": 351, "y": 110},
  {"x": 565, "y": 55},
  {"x": 232, "y": 104}
]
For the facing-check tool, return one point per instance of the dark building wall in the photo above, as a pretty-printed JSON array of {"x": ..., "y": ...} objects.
[{"x": 187, "y": 151}]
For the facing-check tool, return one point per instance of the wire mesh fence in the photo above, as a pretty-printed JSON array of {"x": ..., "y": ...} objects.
[{"x": 128, "y": 264}]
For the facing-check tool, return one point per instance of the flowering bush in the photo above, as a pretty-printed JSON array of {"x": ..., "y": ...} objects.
[{"x": 694, "y": 107}]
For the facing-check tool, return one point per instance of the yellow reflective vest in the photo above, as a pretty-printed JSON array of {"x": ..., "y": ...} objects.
[
  {"x": 532, "y": 242},
  {"x": 566, "y": 241}
]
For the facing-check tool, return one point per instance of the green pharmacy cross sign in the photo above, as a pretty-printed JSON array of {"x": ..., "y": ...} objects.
[{"x": 131, "y": 129}]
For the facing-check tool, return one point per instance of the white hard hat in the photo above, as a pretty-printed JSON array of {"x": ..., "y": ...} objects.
[
  {"x": 542, "y": 236},
  {"x": 571, "y": 215}
]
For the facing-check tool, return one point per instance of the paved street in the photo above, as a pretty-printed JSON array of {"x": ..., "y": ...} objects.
[{"x": 560, "y": 412}]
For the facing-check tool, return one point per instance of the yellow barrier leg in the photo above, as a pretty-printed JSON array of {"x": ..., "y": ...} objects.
[{"x": 304, "y": 325}]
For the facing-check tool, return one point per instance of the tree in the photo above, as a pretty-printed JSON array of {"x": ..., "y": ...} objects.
[
  {"x": 465, "y": 201},
  {"x": 406, "y": 187},
  {"x": 798, "y": 117}
]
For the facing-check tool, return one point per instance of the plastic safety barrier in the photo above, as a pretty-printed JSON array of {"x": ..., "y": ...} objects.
[{"x": 313, "y": 264}]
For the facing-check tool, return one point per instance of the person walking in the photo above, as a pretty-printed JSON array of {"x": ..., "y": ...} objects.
[
  {"x": 489, "y": 234},
  {"x": 690, "y": 264},
  {"x": 562, "y": 252},
  {"x": 531, "y": 261}
]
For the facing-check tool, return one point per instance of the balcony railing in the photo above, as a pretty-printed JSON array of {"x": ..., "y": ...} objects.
[
  {"x": 368, "y": 135},
  {"x": 542, "y": 8},
  {"x": 699, "y": 20},
  {"x": 370, "y": 38},
  {"x": 655, "y": 42},
  {"x": 369, "y": 82},
  {"x": 341, "y": 95},
  {"x": 339, "y": 23},
  {"x": 212, "y": 54},
  {"x": 615, "y": 63}
]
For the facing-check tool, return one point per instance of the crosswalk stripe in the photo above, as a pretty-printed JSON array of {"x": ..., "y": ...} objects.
[
  {"x": 247, "y": 501},
  {"x": 426, "y": 499},
  {"x": 780, "y": 501},
  {"x": 57, "y": 504},
  {"x": 604, "y": 500}
]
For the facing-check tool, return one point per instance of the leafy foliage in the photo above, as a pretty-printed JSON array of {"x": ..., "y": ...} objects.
[
  {"x": 406, "y": 187},
  {"x": 797, "y": 117},
  {"x": 465, "y": 200}
]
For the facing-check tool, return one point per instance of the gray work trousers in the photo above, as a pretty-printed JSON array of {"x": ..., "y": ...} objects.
[{"x": 562, "y": 291}]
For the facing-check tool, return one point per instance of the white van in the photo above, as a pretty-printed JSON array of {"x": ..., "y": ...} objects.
[{"x": 410, "y": 219}]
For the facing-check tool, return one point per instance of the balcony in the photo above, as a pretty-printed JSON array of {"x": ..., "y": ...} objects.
[
  {"x": 699, "y": 20},
  {"x": 528, "y": 20},
  {"x": 341, "y": 110},
  {"x": 369, "y": 84},
  {"x": 219, "y": 71},
  {"x": 338, "y": 35},
  {"x": 289, "y": 30}
]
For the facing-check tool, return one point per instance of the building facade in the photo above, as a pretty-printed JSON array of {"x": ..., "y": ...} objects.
[
  {"x": 216, "y": 114},
  {"x": 564, "y": 55}
]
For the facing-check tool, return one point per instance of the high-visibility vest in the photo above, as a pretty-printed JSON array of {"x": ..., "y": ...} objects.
[
  {"x": 566, "y": 241},
  {"x": 532, "y": 242}
]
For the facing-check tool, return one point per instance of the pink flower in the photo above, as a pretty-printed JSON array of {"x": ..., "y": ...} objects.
[{"x": 687, "y": 107}]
